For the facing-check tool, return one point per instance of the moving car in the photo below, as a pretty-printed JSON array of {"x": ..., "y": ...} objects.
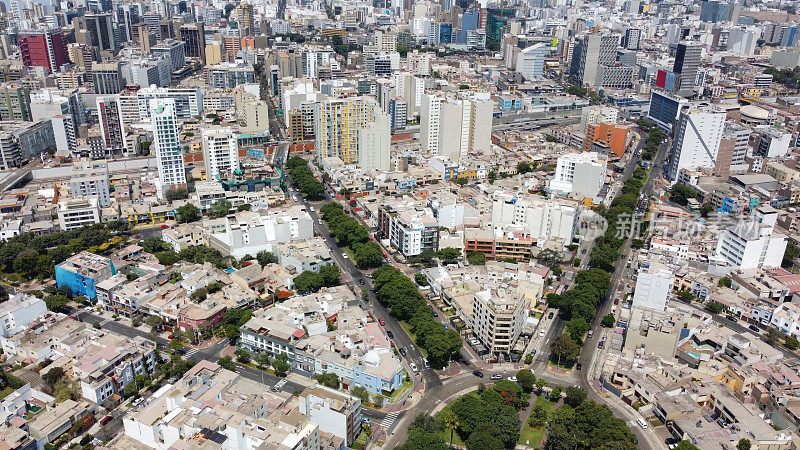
[
  {"x": 496, "y": 376},
  {"x": 591, "y": 333},
  {"x": 402, "y": 351},
  {"x": 541, "y": 333},
  {"x": 361, "y": 282},
  {"x": 413, "y": 367},
  {"x": 550, "y": 316},
  {"x": 446, "y": 327},
  {"x": 344, "y": 255},
  {"x": 427, "y": 364},
  {"x": 366, "y": 420},
  {"x": 512, "y": 378},
  {"x": 477, "y": 373},
  {"x": 381, "y": 321}
]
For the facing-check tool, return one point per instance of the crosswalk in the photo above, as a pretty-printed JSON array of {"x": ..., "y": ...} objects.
[
  {"x": 190, "y": 352},
  {"x": 387, "y": 421}
]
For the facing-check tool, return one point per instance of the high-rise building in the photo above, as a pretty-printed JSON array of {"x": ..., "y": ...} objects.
[
  {"x": 188, "y": 101},
  {"x": 220, "y": 151},
  {"x": 107, "y": 78},
  {"x": 15, "y": 103},
  {"x": 631, "y": 38},
  {"x": 174, "y": 51},
  {"x": 96, "y": 29},
  {"x": 430, "y": 113},
  {"x": 687, "y": 63},
  {"x": 398, "y": 109},
  {"x": 245, "y": 19},
  {"x": 193, "y": 36},
  {"x": 169, "y": 157},
  {"x": 697, "y": 137},
  {"x": 465, "y": 125},
  {"x": 43, "y": 48},
  {"x": 112, "y": 129},
  {"x": 337, "y": 129},
  {"x": 589, "y": 54},
  {"x": 665, "y": 108},
  {"x": 530, "y": 61},
  {"x": 714, "y": 11},
  {"x": 90, "y": 179}
]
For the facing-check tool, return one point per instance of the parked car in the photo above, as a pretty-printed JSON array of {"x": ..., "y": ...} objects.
[
  {"x": 496, "y": 376},
  {"x": 446, "y": 327},
  {"x": 381, "y": 321},
  {"x": 477, "y": 373},
  {"x": 104, "y": 421},
  {"x": 427, "y": 364},
  {"x": 550, "y": 316},
  {"x": 361, "y": 282},
  {"x": 402, "y": 351},
  {"x": 578, "y": 366},
  {"x": 591, "y": 333},
  {"x": 541, "y": 333},
  {"x": 344, "y": 255},
  {"x": 435, "y": 314},
  {"x": 732, "y": 318},
  {"x": 390, "y": 334},
  {"x": 754, "y": 328},
  {"x": 366, "y": 420},
  {"x": 512, "y": 378}
]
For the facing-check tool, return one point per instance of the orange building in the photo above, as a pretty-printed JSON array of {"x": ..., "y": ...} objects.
[{"x": 611, "y": 135}]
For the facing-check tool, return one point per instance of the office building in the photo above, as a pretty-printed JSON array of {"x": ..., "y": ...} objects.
[
  {"x": 665, "y": 108},
  {"x": 607, "y": 138},
  {"x": 696, "y": 142},
  {"x": 382, "y": 64},
  {"x": 716, "y": 11},
  {"x": 220, "y": 151},
  {"x": 582, "y": 174},
  {"x": 230, "y": 75},
  {"x": 598, "y": 114},
  {"x": 95, "y": 29},
  {"x": 90, "y": 179},
  {"x": 753, "y": 243},
  {"x": 43, "y": 48},
  {"x": 771, "y": 143},
  {"x": 687, "y": 63},
  {"x": 112, "y": 128},
  {"x": 107, "y": 78},
  {"x": 336, "y": 412},
  {"x": 174, "y": 51},
  {"x": 194, "y": 39},
  {"x": 169, "y": 157},
  {"x": 15, "y": 103},
  {"x": 590, "y": 53},
  {"x": 150, "y": 72},
  {"x": 530, "y": 61},
  {"x": 631, "y": 39}
]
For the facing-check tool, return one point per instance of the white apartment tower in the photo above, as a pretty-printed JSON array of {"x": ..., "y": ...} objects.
[
  {"x": 468, "y": 126},
  {"x": 696, "y": 144},
  {"x": 582, "y": 174},
  {"x": 220, "y": 151},
  {"x": 751, "y": 244},
  {"x": 430, "y": 111},
  {"x": 169, "y": 157}
]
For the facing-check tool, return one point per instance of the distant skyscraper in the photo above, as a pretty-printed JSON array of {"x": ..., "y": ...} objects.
[
  {"x": 169, "y": 156},
  {"x": 715, "y": 11},
  {"x": 245, "y": 20},
  {"x": 107, "y": 78},
  {"x": 687, "y": 63},
  {"x": 112, "y": 129},
  {"x": 594, "y": 59},
  {"x": 193, "y": 36},
  {"x": 44, "y": 48},
  {"x": 96, "y": 29},
  {"x": 698, "y": 134}
]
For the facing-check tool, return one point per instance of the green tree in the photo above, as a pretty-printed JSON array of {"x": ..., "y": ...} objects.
[
  {"x": 549, "y": 258},
  {"x": 244, "y": 207},
  {"x": 476, "y": 258},
  {"x": 242, "y": 355},
  {"x": 53, "y": 376},
  {"x": 167, "y": 257},
  {"x": 484, "y": 438},
  {"x": 421, "y": 279},
  {"x": 369, "y": 256},
  {"x": 308, "y": 281},
  {"x": 791, "y": 342},
  {"x": 264, "y": 258},
  {"x": 538, "y": 417},
  {"x": 262, "y": 359},
  {"x": 56, "y": 303},
  {"x": 555, "y": 394},
  {"x": 526, "y": 380},
  {"x": 743, "y": 444},
  {"x": 725, "y": 282},
  {"x": 330, "y": 380},
  {"x": 565, "y": 350},
  {"x": 713, "y": 307},
  {"x": 330, "y": 275},
  {"x": 575, "y": 395},
  {"x": 361, "y": 392},
  {"x": 523, "y": 167},
  {"x": 706, "y": 209},
  {"x": 219, "y": 209},
  {"x": 681, "y": 193},
  {"x": 226, "y": 363},
  {"x": 188, "y": 213},
  {"x": 281, "y": 365},
  {"x": 686, "y": 445},
  {"x": 154, "y": 322},
  {"x": 176, "y": 194},
  {"x": 773, "y": 335},
  {"x": 577, "y": 328},
  {"x": 608, "y": 320},
  {"x": 419, "y": 439},
  {"x": 175, "y": 344},
  {"x": 451, "y": 422},
  {"x": 449, "y": 255},
  {"x": 790, "y": 255}
]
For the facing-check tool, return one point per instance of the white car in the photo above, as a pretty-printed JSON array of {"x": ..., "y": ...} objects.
[
  {"x": 514, "y": 379},
  {"x": 413, "y": 367},
  {"x": 344, "y": 255},
  {"x": 311, "y": 208},
  {"x": 541, "y": 333},
  {"x": 496, "y": 376}
]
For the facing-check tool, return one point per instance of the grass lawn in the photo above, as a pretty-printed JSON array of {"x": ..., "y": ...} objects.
[
  {"x": 407, "y": 329},
  {"x": 360, "y": 441},
  {"x": 5, "y": 392},
  {"x": 535, "y": 435},
  {"x": 445, "y": 434},
  {"x": 407, "y": 385}
]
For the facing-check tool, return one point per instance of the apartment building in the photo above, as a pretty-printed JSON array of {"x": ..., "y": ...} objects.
[
  {"x": 111, "y": 363},
  {"x": 582, "y": 174},
  {"x": 497, "y": 319},
  {"x": 83, "y": 271},
  {"x": 336, "y": 412},
  {"x": 409, "y": 229},
  {"x": 78, "y": 213}
]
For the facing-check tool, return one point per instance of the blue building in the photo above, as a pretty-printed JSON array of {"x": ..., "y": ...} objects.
[
  {"x": 469, "y": 22},
  {"x": 507, "y": 102},
  {"x": 445, "y": 33},
  {"x": 83, "y": 271},
  {"x": 380, "y": 372},
  {"x": 665, "y": 109}
]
